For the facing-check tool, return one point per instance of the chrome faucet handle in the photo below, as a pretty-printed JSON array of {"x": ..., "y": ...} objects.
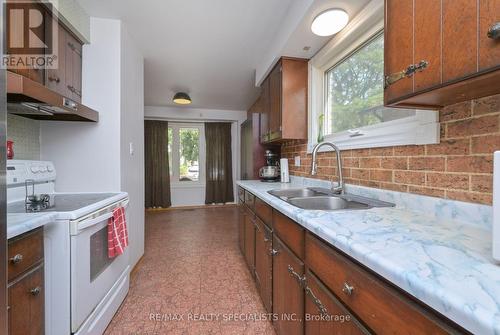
[{"x": 314, "y": 166}]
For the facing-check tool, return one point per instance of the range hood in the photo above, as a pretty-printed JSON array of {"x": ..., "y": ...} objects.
[{"x": 33, "y": 100}]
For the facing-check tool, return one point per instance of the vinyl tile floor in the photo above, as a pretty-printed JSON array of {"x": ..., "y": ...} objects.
[{"x": 192, "y": 279}]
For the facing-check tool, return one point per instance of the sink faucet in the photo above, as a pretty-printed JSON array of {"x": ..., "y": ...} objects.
[{"x": 314, "y": 166}]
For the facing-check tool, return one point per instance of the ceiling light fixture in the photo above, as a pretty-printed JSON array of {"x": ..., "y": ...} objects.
[
  {"x": 182, "y": 98},
  {"x": 330, "y": 22}
]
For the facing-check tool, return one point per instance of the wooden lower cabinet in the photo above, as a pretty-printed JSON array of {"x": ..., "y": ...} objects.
[
  {"x": 241, "y": 226},
  {"x": 26, "y": 284},
  {"x": 325, "y": 314},
  {"x": 250, "y": 240},
  {"x": 313, "y": 288},
  {"x": 26, "y": 304},
  {"x": 382, "y": 308},
  {"x": 264, "y": 263},
  {"x": 288, "y": 293}
]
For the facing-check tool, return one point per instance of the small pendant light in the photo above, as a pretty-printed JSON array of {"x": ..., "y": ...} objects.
[{"x": 182, "y": 98}]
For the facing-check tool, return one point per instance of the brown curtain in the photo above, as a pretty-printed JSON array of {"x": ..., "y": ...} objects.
[
  {"x": 218, "y": 163},
  {"x": 156, "y": 164}
]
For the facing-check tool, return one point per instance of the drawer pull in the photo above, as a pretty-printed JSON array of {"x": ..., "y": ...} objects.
[
  {"x": 54, "y": 79},
  {"x": 494, "y": 31},
  {"x": 36, "y": 291},
  {"x": 408, "y": 72},
  {"x": 322, "y": 309},
  {"x": 299, "y": 278},
  {"x": 274, "y": 252},
  {"x": 257, "y": 227},
  {"x": 16, "y": 259},
  {"x": 347, "y": 289}
]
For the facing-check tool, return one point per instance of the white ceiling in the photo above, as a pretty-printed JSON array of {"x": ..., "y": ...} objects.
[{"x": 210, "y": 49}]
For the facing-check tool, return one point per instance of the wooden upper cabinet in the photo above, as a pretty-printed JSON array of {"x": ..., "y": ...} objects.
[
  {"x": 264, "y": 112},
  {"x": 17, "y": 38},
  {"x": 459, "y": 38},
  {"x": 428, "y": 18},
  {"x": 275, "y": 103},
  {"x": 489, "y": 49},
  {"x": 284, "y": 93},
  {"x": 56, "y": 78},
  {"x": 73, "y": 68},
  {"x": 398, "y": 42},
  {"x": 66, "y": 77},
  {"x": 451, "y": 37}
]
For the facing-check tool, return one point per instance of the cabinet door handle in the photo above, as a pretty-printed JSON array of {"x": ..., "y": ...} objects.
[
  {"x": 256, "y": 226},
  {"x": 16, "y": 259},
  {"x": 299, "y": 278},
  {"x": 54, "y": 79},
  {"x": 274, "y": 252},
  {"x": 408, "y": 72},
  {"x": 347, "y": 289},
  {"x": 494, "y": 31},
  {"x": 36, "y": 291},
  {"x": 73, "y": 90},
  {"x": 322, "y": 309}
]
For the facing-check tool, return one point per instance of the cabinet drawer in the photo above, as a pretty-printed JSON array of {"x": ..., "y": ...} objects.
[
  {"x": 264, "y": 212},
  {"x": 250, "y": 200},
  {"x": 289, "y": 232},
  {"x": 380, "y": 306},
  {"x": 24, "y": 252},
  {"x": 241, "y": 194}
]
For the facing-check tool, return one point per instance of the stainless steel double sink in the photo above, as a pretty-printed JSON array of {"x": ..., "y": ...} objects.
[{"x": 324, "y": 199}]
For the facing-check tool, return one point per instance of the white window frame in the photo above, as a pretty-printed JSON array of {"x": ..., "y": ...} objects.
[
  {"x": 175, "y": 157},
  {"x": 423, "y": 128}
]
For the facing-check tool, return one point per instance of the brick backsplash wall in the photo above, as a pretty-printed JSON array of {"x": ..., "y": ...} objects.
[{"x": 460, "y": 167}]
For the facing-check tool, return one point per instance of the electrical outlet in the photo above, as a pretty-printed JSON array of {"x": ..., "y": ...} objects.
[
  {"x": 131, "y": 148},
  {"x": 297, "y": 160}
]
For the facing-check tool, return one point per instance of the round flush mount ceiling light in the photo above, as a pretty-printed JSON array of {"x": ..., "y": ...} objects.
[
  {"x": 330, "y": 22},
  {"x": 182, "y": 98}
]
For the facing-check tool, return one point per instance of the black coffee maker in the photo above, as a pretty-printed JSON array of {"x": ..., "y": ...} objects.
[{"x": 271, "y": 171}]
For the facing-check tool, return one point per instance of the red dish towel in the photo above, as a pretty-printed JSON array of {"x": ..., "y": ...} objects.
[{"x": 117, "y": 233}]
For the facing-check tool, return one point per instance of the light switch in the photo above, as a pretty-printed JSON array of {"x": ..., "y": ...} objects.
[
  {"x": 297, "y": 160},
  {"x": 131, "y": 147}
]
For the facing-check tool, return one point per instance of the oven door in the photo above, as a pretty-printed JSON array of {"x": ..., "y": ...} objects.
[{"x": 93, "y": 273}]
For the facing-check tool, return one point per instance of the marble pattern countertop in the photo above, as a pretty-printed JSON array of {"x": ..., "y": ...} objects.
[
  {"x": 437, "y": 250},
  {"x": 21, "y": 223}
]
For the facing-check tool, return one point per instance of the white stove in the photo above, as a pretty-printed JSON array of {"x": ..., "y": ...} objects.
[{"x": 83, "y": 287}]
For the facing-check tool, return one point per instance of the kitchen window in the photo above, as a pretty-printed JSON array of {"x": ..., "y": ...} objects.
[
  {"x": 186, "y": 153},
  {"x": 347, "y": 95}
]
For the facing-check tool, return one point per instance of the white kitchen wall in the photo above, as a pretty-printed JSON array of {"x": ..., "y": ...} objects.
[
  {"x": 87, "y": 155},
  {"x": 190, "y": 195},
  {"x": 94, "y": 157},
  {"x": 132, "y": 138}
]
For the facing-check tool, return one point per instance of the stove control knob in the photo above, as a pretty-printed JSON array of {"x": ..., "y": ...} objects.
[
  {"x": 34, "y": 169},
  {"x": 43, "y": 169},
  {"x": 50, "y": 168}
]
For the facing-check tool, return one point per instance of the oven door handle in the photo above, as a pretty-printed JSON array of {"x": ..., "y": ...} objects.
[
  {"x": 91, "y": 222},
  {"x": 77, "y": 227}
]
